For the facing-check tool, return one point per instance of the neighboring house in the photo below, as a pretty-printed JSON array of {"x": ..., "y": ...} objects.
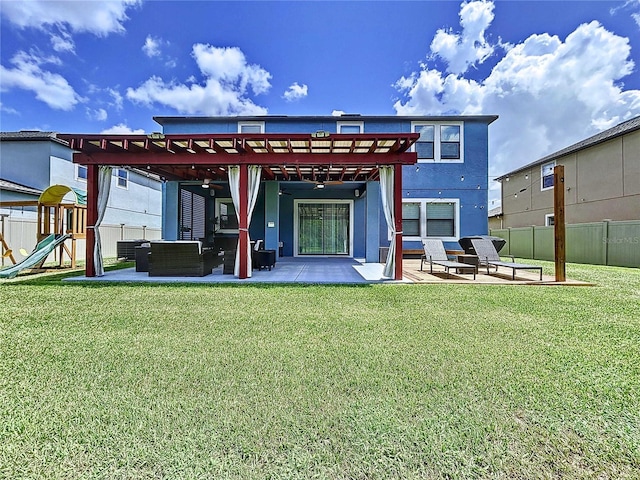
[
  {"x": 31, "y": 161},
  {"x": 601, "y": 181},
  {"x": 495, "y": 218},
  {"x": 444, "y": 194}
]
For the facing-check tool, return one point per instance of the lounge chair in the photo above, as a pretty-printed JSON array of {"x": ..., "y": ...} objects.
[
  {"x": 435, "y": 254},
  {"x": 487, "y": 255}
]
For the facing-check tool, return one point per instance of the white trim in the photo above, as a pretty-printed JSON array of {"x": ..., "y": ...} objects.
[
  {"x": 251, "y": 124},
  {"x": 296, "y": 228},
  {"x": 217, "y": 202},
  {"x": 339, "y": 126},
  {"x": 436, "y": 141},
  {"x": 116, "y": 173},
  {"x": 547, "y": 217},
  {"x": 542, "y": 175},
  {"x": 423, "y": 217},
  {"x": 78, "y": 177}
]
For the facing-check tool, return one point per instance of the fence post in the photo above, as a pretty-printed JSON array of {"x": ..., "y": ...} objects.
[{"x": 605, "y": 240}]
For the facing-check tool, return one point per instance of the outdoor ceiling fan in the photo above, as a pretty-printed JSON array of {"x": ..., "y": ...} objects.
[
  {"x": 319, "y": 185},
  {"x": 206, "y": 183}
]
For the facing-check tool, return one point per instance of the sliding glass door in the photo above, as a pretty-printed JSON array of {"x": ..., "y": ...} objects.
[{"x": 324, "y": 228}]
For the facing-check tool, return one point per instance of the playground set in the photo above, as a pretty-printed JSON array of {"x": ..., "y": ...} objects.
[{"x": 59, "y": 221}]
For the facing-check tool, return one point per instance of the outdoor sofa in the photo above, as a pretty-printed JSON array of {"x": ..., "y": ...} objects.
[
  {"x": 488, "y": 256},
  {"x": 435, "y": 254},
  {"x": 181, "y": 258}
]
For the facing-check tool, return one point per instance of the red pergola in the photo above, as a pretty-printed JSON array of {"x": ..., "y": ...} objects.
[{"x": 320, "y": 157}]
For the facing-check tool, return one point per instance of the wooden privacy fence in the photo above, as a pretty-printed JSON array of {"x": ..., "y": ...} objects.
[{"x": 597, "y": 243}]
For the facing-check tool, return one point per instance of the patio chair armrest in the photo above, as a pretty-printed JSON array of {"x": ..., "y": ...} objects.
[{"x": 513, "y": 259}]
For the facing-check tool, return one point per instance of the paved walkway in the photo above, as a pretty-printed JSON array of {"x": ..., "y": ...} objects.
[{"x": 332, "y": 271}]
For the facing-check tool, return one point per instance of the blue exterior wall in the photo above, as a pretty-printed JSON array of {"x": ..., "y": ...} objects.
[{"x": 466, "y": 182}]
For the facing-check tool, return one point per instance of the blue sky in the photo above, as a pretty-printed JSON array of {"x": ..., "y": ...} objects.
[{"x": 554, "y": 71}]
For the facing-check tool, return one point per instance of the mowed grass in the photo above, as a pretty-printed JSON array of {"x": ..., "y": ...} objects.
[{"x": 335, "y": 382}]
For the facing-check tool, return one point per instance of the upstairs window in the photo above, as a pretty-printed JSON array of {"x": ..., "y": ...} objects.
[
  {"x": 350, "y": 127},
  {"x": 251, "y": 127},
  {"x": 81, "y": 173},
  {"x": 425, "y": 145},
  {"x": 546, "y": 174},
  {"x": 122, "y": 177},
  {"x": 439, "y": 142},
  {"x": 450, "y": 142}
]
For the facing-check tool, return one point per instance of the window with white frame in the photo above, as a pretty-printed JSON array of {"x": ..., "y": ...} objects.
[
  {"x": 122, "y": 177},
  {"x": 549, "y": 220},
  {"x": 350, "y": 127},
  {"x": 431, "y": 218},
  {"x": 81, "y": 173},
  {"x": 546, "y": 175},
  {"x": 227, "y": 221},
  {"x": 439, "y": 142},
  {"x": 250, "y": 127}
]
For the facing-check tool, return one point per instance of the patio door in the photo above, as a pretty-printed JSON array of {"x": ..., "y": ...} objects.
[{"x": 324, "y": 228}]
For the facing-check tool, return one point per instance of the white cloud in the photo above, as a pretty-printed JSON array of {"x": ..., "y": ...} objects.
[
  {"x": 227, "y": 79},
  {"x": 59, "y": 18},
  {"x": 62, "y": 42},
  {"x": 636, "y": 18},
  {"x": 27, "y": 74},
  {"x": 461, "y": 50},
  {"x": 295, "y": 92},
  {"x": 117, "y": 98},
  {"x": 151, "y": 47},
  {"x": 549, "y": 93},
  {"x": 8, "y": 110},
  {"x": 122, "y": 129},
  {"x": 99, "y": 114}
]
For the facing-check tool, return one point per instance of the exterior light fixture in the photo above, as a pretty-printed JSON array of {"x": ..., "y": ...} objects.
[{"x": 205, "y": 183}]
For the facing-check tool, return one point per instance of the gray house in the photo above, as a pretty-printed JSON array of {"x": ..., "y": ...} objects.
[
  {"x": 602, "y": 181},
  {"x": 31, "y": 161}
]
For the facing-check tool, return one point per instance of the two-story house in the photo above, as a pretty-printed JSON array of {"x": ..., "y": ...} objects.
[
  {"x": 601, "y": 181},
  {"x": 317, "y": 185},
  {"x": 37, "y": 160}
]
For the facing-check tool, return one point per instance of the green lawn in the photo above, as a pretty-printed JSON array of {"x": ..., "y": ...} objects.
[{"x": 336, "y": 382}]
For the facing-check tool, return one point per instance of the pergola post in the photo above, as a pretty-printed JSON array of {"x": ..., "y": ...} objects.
[
  {"x": 92, "y": 218},
  {"x": 243, "y": 224},
  {"x": 397, "y": 214}
]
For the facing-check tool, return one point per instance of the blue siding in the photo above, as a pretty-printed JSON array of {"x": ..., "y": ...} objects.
[{"x": 467, "y": 182}]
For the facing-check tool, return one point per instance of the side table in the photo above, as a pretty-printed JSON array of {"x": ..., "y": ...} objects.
[{"x": 472, "y": 260}]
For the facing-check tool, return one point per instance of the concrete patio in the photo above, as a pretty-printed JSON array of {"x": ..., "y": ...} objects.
[{"x": 335, "y": 271}]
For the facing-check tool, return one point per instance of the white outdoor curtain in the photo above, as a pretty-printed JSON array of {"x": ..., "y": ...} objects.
[
  {"x": 254, "y": 175},
  {"x": 386, "y": 192},
  {"x": 104, "y": 186}
]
